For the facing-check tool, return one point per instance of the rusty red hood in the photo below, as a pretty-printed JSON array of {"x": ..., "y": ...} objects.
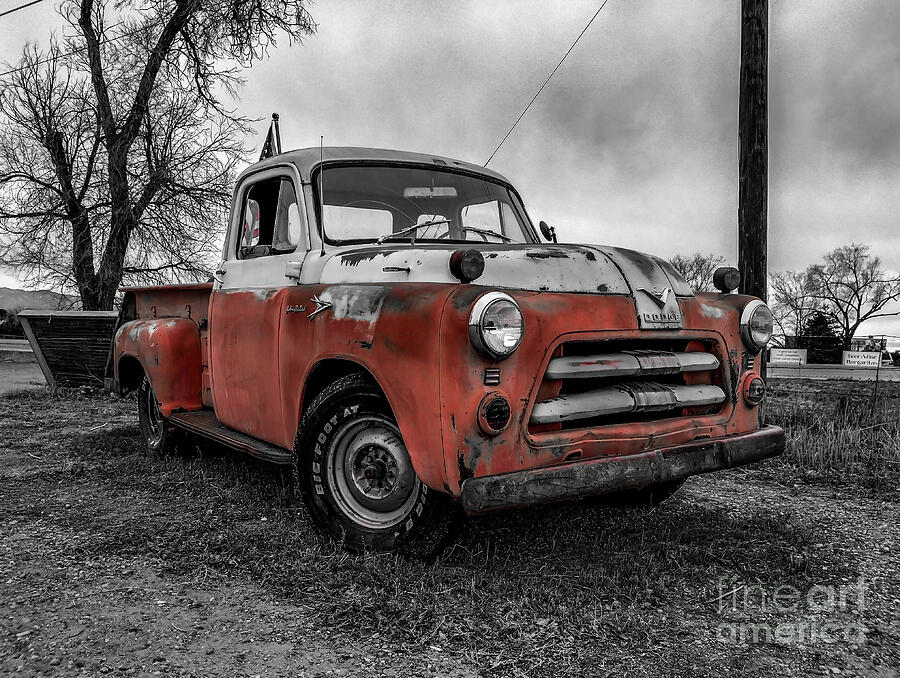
[{"x": 584, "y": 269}]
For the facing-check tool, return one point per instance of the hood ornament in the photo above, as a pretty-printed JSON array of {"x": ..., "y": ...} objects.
[{"x": 659, "y": 299}]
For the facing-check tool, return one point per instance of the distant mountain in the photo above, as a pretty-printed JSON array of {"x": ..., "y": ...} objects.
[{"x": 17, "y": 300}]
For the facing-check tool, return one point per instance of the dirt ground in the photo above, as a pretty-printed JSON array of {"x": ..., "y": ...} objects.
[
  {"x": 112, "y": 563},
  {"x": 18, "y": 376}
]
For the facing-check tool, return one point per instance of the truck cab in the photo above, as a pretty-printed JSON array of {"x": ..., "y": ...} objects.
[{"x": 392, "y": 326}]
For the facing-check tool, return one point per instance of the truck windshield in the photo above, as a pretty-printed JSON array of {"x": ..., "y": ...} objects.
[{"x": 400, "y": 203}]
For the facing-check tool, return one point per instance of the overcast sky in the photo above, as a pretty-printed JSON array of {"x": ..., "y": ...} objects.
[{"x": 634, "y": 141}]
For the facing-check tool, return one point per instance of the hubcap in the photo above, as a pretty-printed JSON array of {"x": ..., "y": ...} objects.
[
  {"x": 374, "y": 471},
  {"x": 369, "y": 468}
]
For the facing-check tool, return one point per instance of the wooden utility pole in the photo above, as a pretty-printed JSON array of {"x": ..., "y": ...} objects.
[{"x": 753, "y": 148}]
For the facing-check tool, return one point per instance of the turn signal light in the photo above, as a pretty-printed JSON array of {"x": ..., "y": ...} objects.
[
  {"x": 755, "y": 391},
  {"x": 493, "y": 414}
]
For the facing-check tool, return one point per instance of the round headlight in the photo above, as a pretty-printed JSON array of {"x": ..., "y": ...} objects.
[
  {"x": 496, "y": 325},
  {"x": 757, "y": 325}
]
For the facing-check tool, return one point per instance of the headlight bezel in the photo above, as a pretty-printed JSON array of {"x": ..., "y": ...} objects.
[
  {"x": 746, "y": 333},
  {"x": 476, "y": 326}
]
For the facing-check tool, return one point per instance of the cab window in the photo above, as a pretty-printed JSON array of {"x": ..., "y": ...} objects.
[
  {"x": 494, "y": 215},
  {"x": 270, "y": 219}
]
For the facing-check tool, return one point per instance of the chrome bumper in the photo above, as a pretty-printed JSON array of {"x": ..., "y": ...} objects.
[{"x": 612, "y": 474}]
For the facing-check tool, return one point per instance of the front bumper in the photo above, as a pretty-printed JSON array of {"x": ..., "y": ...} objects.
[{"x": 613, "y": 474}]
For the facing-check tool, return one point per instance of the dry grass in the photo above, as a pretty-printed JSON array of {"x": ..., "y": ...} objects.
[
  {"x": 840, "y": 429},
  {"x": 560, "y": 591}
]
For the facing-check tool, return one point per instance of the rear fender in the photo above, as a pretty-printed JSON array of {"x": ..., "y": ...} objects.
[{"x": 169, "y": 352}]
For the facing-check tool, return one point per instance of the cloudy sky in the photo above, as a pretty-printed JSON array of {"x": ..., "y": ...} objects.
[{"x": 634, "y": 141}]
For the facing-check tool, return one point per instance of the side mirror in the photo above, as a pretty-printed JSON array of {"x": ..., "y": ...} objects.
[
  {"x": 547, "y": 231},
  {"x": 726, "y": 279}
]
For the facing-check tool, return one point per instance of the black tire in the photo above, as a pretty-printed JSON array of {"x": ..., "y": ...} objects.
[
  {"x": 353, "y": 471},
  {"x": 646, "y": 497},
  {"x": 161, "y": 439}
]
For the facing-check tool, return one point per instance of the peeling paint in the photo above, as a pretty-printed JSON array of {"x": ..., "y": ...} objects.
[
  {"x": 356, "y": 302},
  {"x": 559, "y": 268},
  {"x": 711, "y": 311},
  {"x": 355, "y": 258}
]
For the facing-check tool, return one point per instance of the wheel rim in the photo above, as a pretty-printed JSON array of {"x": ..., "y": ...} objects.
[
  {"x": 154, "y": 418},
  {"x": 369, "y": 468}
]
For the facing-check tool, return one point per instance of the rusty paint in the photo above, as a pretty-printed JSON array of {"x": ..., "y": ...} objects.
[
  {"x": 576, "y": 479},
  {"x": 169, "y": 350},
  {"x": 552, "y": 320},
  {"x": 260, "y": 357}
]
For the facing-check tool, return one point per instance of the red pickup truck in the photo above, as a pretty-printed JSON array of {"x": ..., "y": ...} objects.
[{"x": 392, "y": 325}]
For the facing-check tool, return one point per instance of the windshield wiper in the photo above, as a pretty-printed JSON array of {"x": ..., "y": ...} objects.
[
  {"x": 411, "y": 229},
  {"x": 486, "y": 231}
]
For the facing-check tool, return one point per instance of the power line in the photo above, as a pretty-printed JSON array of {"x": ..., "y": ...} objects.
[
  {"x": 74, "y": 51},
  {"x": 16, "y": 9},
  {"x": 552, "y": 73}
]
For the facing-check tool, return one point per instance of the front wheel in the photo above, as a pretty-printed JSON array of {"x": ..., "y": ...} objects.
[{"x": 357, "y": 479}]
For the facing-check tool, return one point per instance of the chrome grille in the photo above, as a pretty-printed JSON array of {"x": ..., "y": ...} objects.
[{"x": 601, "y": 383}]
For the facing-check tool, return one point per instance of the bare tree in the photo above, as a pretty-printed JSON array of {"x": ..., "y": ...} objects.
[
  {"x": 792, "y": 301},
  {"x": 697, "y": 269},
  {"x": 851, "y": 288},
  {"x": 116, "y": 153}
]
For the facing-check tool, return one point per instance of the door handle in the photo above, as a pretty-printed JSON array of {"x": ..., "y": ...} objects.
[{"x": 219, "y": 272}]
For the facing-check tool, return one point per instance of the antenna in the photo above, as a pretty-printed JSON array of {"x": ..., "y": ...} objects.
[{"x": 321, "y": 195}]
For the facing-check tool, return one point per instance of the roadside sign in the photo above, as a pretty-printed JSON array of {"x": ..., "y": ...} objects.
[
  {"x": 861, "y": 358},
  {"x": 787, "y": 356}
]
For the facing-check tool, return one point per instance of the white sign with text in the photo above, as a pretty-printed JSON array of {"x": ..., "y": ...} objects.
[
  {"x": 787, "y": 356},
  {"x": 861, "y": 358}
]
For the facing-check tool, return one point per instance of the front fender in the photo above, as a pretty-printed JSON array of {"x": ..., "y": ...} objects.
[
  {"x": 169, "y": 352},
  {"x": 393, "y": 332}
]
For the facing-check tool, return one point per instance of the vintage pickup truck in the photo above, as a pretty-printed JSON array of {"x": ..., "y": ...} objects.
[{"x": 392, "y": 325}]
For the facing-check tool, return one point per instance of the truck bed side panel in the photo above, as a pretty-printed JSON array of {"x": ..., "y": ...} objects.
[
  {"x": 169, "y": 341},
  {"x": 169, "y": 351}
]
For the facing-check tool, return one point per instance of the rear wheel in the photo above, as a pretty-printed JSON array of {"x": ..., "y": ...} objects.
[
  {"x": 160, "y": 437},
  {"x": 357, "y": 479}
]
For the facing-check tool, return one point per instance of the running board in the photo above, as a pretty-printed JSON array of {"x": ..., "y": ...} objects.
[{"x": 205, "y": 424}]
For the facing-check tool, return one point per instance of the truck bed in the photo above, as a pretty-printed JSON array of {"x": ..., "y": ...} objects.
[{"x": 176, "y": 301}]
